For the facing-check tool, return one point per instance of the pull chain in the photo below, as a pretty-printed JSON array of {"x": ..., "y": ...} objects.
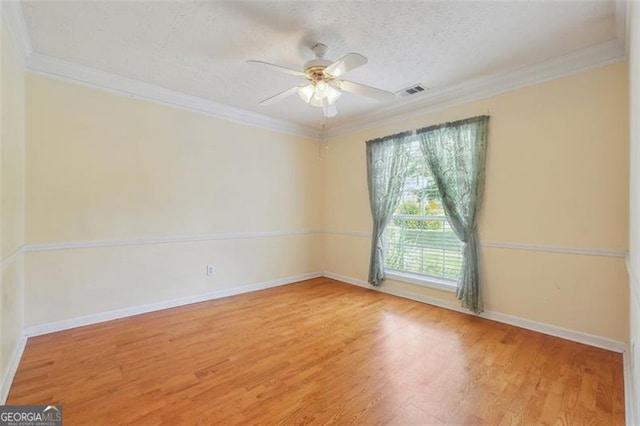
[{"x": 323, "y": 144}]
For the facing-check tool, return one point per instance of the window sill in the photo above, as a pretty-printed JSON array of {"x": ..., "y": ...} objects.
[{"x": 449, "y": 286}]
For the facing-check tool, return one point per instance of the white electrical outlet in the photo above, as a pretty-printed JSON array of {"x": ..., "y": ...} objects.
[{"x": 211, "y": 270}]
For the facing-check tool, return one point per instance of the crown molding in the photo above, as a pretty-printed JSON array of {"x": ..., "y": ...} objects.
[
  {"x": 13, "y": 19},
  {"x": 472, "y": 90},
  {"x": 432, "y": 101},
  {"x": 480, "y": 88},
  {"x": 53, "y": 67},
  {"x": 579, "y": 61},
  {"x": 92, "y": 77}
]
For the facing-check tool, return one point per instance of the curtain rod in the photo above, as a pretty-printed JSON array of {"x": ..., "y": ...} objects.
[{"x": 429, "y": 128}]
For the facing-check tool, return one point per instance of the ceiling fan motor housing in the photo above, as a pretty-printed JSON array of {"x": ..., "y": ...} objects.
[
  {"x": 314, "y": 64},
  {"x": 314, "y": 68}
]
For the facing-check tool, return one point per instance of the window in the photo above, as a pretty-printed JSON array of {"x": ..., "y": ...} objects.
[{"x": 419, "y": 240}]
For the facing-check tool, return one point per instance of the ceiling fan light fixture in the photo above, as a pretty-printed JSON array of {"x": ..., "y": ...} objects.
[
  {"x": 332, "y": 94},
  {"x": 329, "y": 99},
  {"x": 316, "y": 101},
  {"x": 306, "y": 92},
  {"x": 317, "y": 94},
  {"x": 323, "y": 88}
]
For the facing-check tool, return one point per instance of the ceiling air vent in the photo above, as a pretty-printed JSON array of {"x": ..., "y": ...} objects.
[{"x": 412, "y": 90}]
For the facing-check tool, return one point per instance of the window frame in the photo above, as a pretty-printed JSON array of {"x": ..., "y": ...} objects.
[
  {"x": 432, "y": 281},
  {"x": 422, "y": 280}
]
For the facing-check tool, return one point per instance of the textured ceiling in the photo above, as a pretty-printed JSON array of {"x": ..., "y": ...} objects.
[{"x": 201, "y": 48}]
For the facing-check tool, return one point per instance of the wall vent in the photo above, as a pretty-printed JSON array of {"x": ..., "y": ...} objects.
[{"x": 412, "y": 90}]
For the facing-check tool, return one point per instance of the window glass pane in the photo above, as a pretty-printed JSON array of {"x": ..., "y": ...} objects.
[{"x": 419, "y": 240}]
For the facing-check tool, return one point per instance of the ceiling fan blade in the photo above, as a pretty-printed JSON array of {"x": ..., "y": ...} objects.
[
  {"x": 275, "y": 67},
  {"x": 364, "y": 90},
  {"x": 279, "y": 96},
  {"x": 345, "y": 64}
]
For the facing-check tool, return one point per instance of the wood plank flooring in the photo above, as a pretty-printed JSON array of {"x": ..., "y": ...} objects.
[{"x": 319, "y": 352}]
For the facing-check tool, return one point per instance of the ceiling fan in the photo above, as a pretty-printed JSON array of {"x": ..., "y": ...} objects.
[{"x": 323, "y": 86}]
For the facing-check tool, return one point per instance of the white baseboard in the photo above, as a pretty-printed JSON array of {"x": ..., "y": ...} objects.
[
  {"x": 631, "y": 417},
  {"x": 52, "y": 327},
  {"x": 7, "y": 380},
  {"x": 576, "y": 336},
  {"x": 573, "y": 335}
]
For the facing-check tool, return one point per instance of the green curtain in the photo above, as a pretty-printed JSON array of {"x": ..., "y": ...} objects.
[
  {"x": 456, "y": 154},
  {"x": 387, "y": 160}
]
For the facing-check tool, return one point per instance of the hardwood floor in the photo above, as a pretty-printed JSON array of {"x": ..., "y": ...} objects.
[{"x": 317, "y": 352}]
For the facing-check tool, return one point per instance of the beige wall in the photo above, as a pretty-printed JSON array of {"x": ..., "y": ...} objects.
[
  {"x": 110, "y": 169},
  {"x": 128, "y": 173},
  {"x": 119, "y": 188},
  {"x": 634, "y": 240},
  {"x": 557, "y": 175},
  {"x": 12, "y": 164}
]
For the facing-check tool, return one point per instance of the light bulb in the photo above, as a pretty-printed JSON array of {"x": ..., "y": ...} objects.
[
  {"x": 322, "y": 89},
  {"x": 320, "y": 94}
]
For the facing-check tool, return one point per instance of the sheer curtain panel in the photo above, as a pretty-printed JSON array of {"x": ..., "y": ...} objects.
[
  {"x": 456, "y": 154},
  {"x": 387, "y": 160}
]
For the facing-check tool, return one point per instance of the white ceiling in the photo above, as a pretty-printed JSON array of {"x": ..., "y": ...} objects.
[{"x": 200, "y": 49}]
